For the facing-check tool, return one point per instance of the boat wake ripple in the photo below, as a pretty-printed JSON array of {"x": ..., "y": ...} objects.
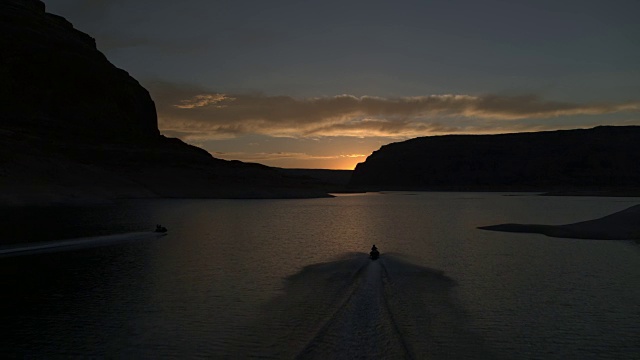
[
  {"x": 75, "y": 244},
  {"x": 358, "y": 308}
]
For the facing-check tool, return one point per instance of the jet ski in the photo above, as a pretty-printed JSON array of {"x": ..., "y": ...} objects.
[
  {"x": 160, "y": 229},
  {"x": 374, "y": 254}
]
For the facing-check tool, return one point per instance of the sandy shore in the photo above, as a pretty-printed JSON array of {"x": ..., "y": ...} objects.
[{"x": 623, "y": 225}]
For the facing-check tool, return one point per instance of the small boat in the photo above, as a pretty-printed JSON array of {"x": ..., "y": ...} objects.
[
  {"x": 374, "y": 254},
  {"x": 160, "y": 229}
]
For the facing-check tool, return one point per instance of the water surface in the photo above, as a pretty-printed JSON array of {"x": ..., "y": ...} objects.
[{"x": 287, "y": 278}]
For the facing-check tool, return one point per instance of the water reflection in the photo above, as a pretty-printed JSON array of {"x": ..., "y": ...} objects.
[{"x": 217, "y": 277}]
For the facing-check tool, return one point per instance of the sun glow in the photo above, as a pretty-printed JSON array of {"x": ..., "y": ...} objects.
[{"x": 296, "y": 160}]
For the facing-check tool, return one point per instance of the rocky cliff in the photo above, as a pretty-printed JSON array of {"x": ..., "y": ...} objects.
[
  {"x": 599, "y": 159},
  {"x": 55, "y": 81},
  {"x": 75, "y": 128}
]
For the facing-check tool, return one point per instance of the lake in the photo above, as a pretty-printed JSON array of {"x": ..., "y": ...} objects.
[{"x": 291, "y": 278}]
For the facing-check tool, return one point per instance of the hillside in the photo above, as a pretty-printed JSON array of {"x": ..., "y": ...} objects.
[
  {"x": 75, "y": 128},
  {"x": 602, "y": 159}
]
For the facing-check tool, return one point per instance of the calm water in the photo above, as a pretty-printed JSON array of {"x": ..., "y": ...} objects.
[{"x": 287, "y": 278}]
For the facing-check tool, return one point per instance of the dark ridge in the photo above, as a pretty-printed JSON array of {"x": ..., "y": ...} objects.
[
  {"x": 599, "y": 160},
  {"x": 330, "y": 180}
]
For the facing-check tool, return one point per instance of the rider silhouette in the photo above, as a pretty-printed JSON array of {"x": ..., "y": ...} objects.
[{"x": 374, "y": 254}]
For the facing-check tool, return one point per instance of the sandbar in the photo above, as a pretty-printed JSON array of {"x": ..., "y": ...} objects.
[{"x": 623, "y": 225}]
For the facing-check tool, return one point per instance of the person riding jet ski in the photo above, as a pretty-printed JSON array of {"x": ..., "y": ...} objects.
[{"x": 374, "y": 254}]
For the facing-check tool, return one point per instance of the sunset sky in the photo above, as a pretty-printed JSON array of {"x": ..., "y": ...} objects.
[{"x": 322, "y": 84}]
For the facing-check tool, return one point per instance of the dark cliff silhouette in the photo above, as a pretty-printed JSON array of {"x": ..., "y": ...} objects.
[
  {"x": 603, "y": 159},
  {"x": 75, "y": 128},
  {"x": 56, "y": 82}
]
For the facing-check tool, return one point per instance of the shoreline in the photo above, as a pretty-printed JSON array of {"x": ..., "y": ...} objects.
[{"x": 622, "y": 225}]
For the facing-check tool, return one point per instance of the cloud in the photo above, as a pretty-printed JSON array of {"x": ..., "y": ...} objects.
[
  {"x": 526, "y": 107},
  {"x": 203, "y": 100},
  {"x": 206, "y": 114}
]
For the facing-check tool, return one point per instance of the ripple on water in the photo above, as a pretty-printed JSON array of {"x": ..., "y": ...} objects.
[{"x": 358, "y": 308}]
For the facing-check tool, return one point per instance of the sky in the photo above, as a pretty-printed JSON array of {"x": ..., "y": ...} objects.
[{"x": 323, "y": 84}]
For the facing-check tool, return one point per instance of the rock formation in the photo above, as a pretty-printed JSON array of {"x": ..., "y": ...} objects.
[
  {"x": 56, "y": 82},
  {"x": 75, "y": 128},
  {"x": 604, "y": 158}
]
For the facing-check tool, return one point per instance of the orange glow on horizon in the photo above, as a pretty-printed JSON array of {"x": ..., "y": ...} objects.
[
  {"x": 347, "y": 163},
  {"x": 300, "y": 161}
]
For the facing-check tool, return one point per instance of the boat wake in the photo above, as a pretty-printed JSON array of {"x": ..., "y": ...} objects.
[
  {"x": 75, "y": 244},
  {"x": 358, "y": 308},
  {"x": 362, "y": 326}
]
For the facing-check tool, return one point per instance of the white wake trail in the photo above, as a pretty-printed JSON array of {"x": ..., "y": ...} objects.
[
  {"x": 74, "y": 244},
  {"x": 363, "y": 327}
]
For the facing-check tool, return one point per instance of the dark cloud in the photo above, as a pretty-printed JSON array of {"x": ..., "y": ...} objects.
[{"x": 210, "y": 114}]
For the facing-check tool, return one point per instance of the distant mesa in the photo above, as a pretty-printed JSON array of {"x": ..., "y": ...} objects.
[
  {"x": 74, "y": 128},
  {"x": 623, "y": 225},
  {"x": 601, "y": 161}
]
